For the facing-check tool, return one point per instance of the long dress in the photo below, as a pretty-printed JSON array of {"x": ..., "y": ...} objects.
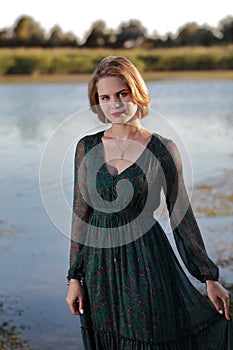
[{"x": 137, "y": 296}]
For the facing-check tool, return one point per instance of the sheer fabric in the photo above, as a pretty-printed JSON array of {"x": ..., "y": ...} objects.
[{"x": 137, "y": 294}]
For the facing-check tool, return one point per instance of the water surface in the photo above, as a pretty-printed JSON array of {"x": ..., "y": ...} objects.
[{"x": 34, "y": 254}]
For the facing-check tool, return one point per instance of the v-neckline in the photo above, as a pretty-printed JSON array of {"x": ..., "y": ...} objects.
[{"x": 128, "y": 167}]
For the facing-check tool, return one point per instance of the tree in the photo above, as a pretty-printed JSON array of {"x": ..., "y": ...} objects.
[
  {"x": 226, "y": 28},
  {"x": 97, "y": 36},
  {"x": 205, "y": 37},
  {"x": 186, "y": 34},
  {"x": 70, "y": 39},
  {"x": 131, "y": 34},
  {"x": 57, "y": 38},
  {"x": 191, "y": 34},
  {"x": 27, "y": 32},
  {"x": 4, "y": 37}
]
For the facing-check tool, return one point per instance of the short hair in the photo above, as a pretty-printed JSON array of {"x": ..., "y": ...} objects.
[{"x": 119, "y": 66}]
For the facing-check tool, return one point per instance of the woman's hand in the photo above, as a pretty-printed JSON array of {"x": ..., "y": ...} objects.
[
  {"x": 75, "y": 297},
  {"x": 217, "y": 293}
]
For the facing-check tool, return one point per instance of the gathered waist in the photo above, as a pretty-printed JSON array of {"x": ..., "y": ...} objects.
[{"x": 119, "y": 218}]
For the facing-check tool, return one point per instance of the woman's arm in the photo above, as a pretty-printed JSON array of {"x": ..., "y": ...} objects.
[
  {"x": 187, "y": 235},
  {"x": 81, "y": 212}
]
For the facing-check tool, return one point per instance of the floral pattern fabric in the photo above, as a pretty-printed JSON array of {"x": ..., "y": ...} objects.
[{"x": 137, "y": 296}]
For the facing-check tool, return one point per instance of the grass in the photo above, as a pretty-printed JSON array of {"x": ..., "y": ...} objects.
[{"x": 64, "y": 61}]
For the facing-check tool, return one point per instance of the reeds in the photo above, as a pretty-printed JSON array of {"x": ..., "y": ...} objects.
[{"x": 83, "y": 61}]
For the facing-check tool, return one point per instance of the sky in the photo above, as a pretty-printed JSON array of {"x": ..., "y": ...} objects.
[{"x": 158, "y": 17}]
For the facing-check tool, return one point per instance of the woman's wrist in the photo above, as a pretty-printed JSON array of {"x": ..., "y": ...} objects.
[
  {"x": 208, "y": 282},
  {"x": 72, "y": 281},
  {"x": 75, "y": 281}
]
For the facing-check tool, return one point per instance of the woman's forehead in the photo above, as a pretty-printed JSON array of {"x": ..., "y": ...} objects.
[{"x": 110, "y": 85}]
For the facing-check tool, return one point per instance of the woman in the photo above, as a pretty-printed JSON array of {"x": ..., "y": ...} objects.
[{"x": 125, "y": 281}]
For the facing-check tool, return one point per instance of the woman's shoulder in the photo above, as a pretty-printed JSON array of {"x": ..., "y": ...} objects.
[
  {"x": 166, "y": 149},
  {"x": 162, "y": 142},
  {"x": 90, "y": 139}
]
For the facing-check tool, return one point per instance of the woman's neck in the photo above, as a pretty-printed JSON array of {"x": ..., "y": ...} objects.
[{"x": 125, "y": 131}]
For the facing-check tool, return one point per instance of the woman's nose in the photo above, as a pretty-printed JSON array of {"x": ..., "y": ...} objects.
[{"x": 117, "y": 103}]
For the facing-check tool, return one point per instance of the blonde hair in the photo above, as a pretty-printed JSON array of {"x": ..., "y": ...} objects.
[{"x": 123, "y": 68}]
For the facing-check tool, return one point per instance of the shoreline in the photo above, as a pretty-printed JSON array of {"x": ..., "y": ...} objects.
[{"x": 84, "y": 78}]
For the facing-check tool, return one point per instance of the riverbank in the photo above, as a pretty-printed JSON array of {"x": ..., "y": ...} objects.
[
  {"x": 63, "y": 61},
  {"x": 84, "y": 78}
]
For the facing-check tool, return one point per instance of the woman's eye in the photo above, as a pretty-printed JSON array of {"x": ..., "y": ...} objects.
[
  {"x": 122, "y": 94},
  {"x": 104, "y": 98}
]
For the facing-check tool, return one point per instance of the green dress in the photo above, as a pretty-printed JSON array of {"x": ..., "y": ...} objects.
[{"x": 137, "y": 296}]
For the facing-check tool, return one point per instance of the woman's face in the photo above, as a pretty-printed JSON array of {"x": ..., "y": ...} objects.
[{"x": 116, "y": 100}]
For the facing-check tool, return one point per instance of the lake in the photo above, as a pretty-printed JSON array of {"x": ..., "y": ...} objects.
[{"x": 34, "y": 251}]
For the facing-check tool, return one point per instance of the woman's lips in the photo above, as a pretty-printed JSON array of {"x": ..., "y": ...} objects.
[{"x": 116, "y": 114}]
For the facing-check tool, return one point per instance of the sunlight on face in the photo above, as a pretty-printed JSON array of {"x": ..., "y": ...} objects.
[{"x": 116, "y": 100}]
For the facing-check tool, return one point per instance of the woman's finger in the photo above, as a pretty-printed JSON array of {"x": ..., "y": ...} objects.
[
  {"x": 73, "y": 306},
  {"x": 216, "y": 305},
  {"x": 81, "y": 306},
  {"x": 226, "y": 303}
]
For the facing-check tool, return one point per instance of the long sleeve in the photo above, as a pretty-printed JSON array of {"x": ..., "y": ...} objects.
[
  {"x": 81, "y": 212},
  {"x": 186, "y": 232}
]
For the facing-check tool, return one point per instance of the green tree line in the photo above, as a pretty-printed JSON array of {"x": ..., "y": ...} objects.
[{"x": 26, "y": 32}]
